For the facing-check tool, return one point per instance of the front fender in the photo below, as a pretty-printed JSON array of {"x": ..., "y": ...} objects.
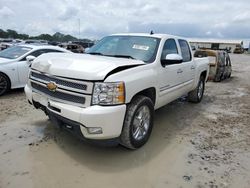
[
  {"x": 11, "y": 73},
  {"x": 136, "y": 79}
]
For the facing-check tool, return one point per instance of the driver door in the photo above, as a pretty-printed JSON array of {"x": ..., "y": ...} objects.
[{"x": 170, "y": 75}]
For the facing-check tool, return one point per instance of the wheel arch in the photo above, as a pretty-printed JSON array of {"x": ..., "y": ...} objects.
[
  {"x": 7, "y": 78},
  {"x": 204, "y": 74},
  {"x": 149, "y": 92}
]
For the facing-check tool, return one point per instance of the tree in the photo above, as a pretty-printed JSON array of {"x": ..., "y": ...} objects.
[
  {"x": 59, "y": 37},
  {"x": 12, "y": 33},
  {"x": 3, "y": 34}
]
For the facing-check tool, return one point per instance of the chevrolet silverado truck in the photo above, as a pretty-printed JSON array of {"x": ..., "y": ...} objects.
[{"x": 110, "y": 93}]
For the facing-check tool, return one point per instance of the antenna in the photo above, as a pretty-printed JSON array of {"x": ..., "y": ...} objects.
[{"x": 151, "y": 32}]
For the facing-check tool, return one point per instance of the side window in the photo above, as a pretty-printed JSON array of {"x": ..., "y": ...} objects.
[
  {"x": 34, "y": 53},
  {"x": 40, "y": 52},
  {"x": 185, "y": 50},
  {"x": 37, "y": 53},
  {"x": 169, "y": 48}
]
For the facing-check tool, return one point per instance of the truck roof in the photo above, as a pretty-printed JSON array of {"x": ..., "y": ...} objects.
[{"x": 156, "y": 35}]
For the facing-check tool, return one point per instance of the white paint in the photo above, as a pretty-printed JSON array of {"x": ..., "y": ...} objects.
[{"x": 168, "y": 82}]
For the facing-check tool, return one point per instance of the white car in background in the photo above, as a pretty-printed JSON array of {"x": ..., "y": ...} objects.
[{"x": 15, "y": 62}]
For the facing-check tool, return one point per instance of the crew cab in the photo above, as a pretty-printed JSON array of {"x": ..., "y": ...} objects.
[{"x": 110, "y": 93}]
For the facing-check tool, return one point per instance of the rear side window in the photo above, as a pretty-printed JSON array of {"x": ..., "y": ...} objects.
[
  {"x": 185, "y": 50},
  {"x": 169, "y": 48},
  {"x": 40, "y": 52}
]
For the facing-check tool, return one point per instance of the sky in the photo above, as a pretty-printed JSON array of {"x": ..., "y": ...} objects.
[{"x": 97, "y": 18}]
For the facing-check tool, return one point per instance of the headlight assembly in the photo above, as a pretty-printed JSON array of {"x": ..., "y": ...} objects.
[{"x": 111, "y": 93}]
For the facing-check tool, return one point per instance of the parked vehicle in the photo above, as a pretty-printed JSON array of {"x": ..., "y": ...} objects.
[
  {"x": 15, "y": 62},
  {"x": 76, "y": 48},
  {"x": 5, "y": 45},
  {"x": 84, "y": 44},
  {"x": 36, "y": 42},
  {"x": 239, "y": 50},
  {"x": 110, "y": 94},
  {"x": 54, "y": 43},
  {"x": 7, "y": 40},
  {"x": 220, "y": 64}
]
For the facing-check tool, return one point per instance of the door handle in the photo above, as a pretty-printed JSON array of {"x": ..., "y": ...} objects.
[
  {"x": 192, "y": 67},
  {"x": 179, "y": 71}
]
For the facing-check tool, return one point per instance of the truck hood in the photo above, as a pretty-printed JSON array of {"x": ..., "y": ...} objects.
[{"x": 81, "y": 66}]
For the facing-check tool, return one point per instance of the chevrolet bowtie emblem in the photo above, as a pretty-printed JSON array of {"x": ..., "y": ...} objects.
[{"x": 52, "y": 86}]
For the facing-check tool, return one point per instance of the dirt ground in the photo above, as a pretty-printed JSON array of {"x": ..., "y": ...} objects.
[{"x": 191, "y": 146}]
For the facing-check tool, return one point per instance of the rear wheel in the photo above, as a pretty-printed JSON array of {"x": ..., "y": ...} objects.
[
  {"x": 197, "y": 94},
  {"x": 138, "y": 123},
  {"x": 4, "y": 84}
]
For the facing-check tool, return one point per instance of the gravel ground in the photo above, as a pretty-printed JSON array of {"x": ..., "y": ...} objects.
[{"x": 191, "y": 146}]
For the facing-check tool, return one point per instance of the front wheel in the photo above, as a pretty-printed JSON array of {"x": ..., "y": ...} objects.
[
  {"x": 4, "y": 84},
  {"x": 197, "y": 94},
  {"x": 138, "y": 123}
]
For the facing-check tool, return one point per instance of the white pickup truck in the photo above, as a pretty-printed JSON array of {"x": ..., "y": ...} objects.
[{"x": 110, "y": 93}]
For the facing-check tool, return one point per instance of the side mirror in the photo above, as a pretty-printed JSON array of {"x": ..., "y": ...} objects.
[
  {"x": 30, "y": 58},
  {"x": 171, "y": 59},
  {"x": 86, "y": 50}
]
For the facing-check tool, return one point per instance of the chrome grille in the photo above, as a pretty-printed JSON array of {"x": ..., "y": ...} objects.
[
  {"x": 68, "y": 90},
  {"x": 58, "y": 94},
  {"x": 59, "y": 81}
]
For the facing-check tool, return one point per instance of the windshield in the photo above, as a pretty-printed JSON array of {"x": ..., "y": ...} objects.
[
  {"x": 134, "y": 47},
  {"x": 14, "y": 52}
]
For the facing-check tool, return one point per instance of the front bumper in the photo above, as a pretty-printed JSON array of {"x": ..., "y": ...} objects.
[{"x": 109, "y": 118}]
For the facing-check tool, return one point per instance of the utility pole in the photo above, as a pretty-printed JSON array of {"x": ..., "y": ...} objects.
[{"x": 79, "y": 22}]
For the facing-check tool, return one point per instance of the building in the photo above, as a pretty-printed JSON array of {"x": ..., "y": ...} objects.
[{"x": 216, "y": 44}]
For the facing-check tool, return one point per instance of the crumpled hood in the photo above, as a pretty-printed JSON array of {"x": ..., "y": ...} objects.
[{"x": 80, "y": 66}]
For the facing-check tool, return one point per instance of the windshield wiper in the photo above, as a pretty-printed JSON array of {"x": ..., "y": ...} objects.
[
  {"x": 95, "y": 53},
  {"x": 122, "y": 56}
]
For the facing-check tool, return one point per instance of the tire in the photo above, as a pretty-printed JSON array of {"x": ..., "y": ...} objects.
[
  {"x": 217, "y": 79},
  {"x": 138, "y": 123},
  {"x": 196, "y": 95},
  {"x": 4, "y": 84},
  {"x": 222, "y": 77}
]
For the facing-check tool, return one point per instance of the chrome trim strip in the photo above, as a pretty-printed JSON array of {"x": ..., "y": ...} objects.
[
  {"x": 164, "y": 88},
  {"x": 58, "y": 89},
  {"x": 86, "y": 104},
  {"x": 88, "y": 84},
  {"x": 59, "y": 86}
]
